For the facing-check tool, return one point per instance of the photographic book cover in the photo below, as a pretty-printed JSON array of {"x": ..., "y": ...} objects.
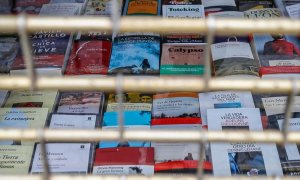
[
  {"x": 212, "y": 6},
  {"x": 29, "y": 7},
  {"x": 142, "y": 7},
  {"x": 8, "y": 52}
]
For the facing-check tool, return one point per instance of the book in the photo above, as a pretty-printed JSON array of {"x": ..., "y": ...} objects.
[
  {"x": 182, "y": 59},
  {"x": 245, "y": 5},
  {"x": 177, "y": 107},
  {"x": 142, "y": 7},
  {"x": 241, "y": 158},
  {"x": 6, "y": 7},
  {"x": 63, "y": 158},
  {"x": 131, "y": 102},
  {"x": 180, "y": 2},
  {"x": 61, "y": 9},
  {"x": 80, "y": 103},
  {"x": 275, "y": 105},
  {"x": 70, "y": 121},
  {"x": 29, "y": 7},
  {"x": 8, "y": 52},
  {"x": 212, "y": 6},
  {"x": 15, "y": 156},
  {"x": 135, "y": 54},
  {"x": 31, "y": 99},
  {"x": 101, "y": 7},
  {"x": 233, "y": 57},
  {"x": 224, "y": 99},
  {"x": 90, "y": 55},
  {"x": 3, "y": 97},
  {"x": 124, "y": 161},
  {"x": 133, "y": 120},
  {"x": 290, "y": 153}
]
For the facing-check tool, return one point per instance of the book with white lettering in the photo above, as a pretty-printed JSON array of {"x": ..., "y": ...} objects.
[
  {"x": 290, "y": 153},
  {"x": 80, "y": 102},
  {"x": 72, "y": 121},
  {"x": 71, "y": 158},
  {"x": 224, "y": 99},
  {"x": 45, "y": 99},
  {"x": 241, "y": 158},
  {"x": 15, "y": 156},
  {"x": 124, "y": 161},
  {"x": 277, "y": 53}
]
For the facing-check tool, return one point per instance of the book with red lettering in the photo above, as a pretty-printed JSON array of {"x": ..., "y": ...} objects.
[
  {"x": 29, "y": 7},
  {"x": 124, "y": 161},
  {"x": 90, "y": 55}
]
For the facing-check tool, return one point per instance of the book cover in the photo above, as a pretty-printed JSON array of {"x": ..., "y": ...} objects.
[
  {"x": 124, "y": 161},
  {"x": 3, "y": 97},
  {"x": 8, "y": 52},
  {"x": 142, "y": 7},
  {"x": 182, "y": 59},
  {"x": 224, "y": 99},
  {"x": 68, "y": 121},
  {"x": 180, "y": 2},
  {"x": 131, "y": 102},
  {"x": 89, "y": 56},
  {"x": 245, "y": 5},
  {"x": 290, "y": 153},
  {"x": 32, "y": 99},
  {"x": 101, "y": 7},
  {"x": 63, "y": 158},
  {"x": 263, "y": 13},
  {"x": 29, "y": 7},
  {"x": 212, "y": 6},
  {"x": 80, "y": 102},
  {"x": 176, "y": 107},
  {"x": 6, "y": 6},
  {"x": 138, "y": 54},
  {"x": 61, "y": 9},
  {"x": 241, "y": 158},
  {"x": 233, "y": 58},
  {"x": 275, "y": 108}
]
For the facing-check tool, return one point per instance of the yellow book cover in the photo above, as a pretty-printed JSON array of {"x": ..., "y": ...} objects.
[
  {"x": 45, "y": 99},
  {"x": 131, "y": 102}
]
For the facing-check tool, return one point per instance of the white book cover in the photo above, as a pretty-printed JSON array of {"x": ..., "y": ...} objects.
[
  {"x": 147, "y": 170},
  {"x": 183, "y": 11},
  {"x": 227, "y": 14},
  {"x": 241, "y": 158},
  {"x": 277, "y": 105},
  {"x": 225, "y": 50},
  {"x": 61, "y": 9},
  {"x": 224, "y": 99},
  {"x": 165, "y": 152},
  {"x": 292, "y": 150},
  {"x": 294, "y": 11},
  {"x": 63, "y": 158},
  {"x": 211, "y": 3},
  {"x": 3, "y": 96},
  {"x": 64, "y": 121},
  {"x": 263, "y": 13}
]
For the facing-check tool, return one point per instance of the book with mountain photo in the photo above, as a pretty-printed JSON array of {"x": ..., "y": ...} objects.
[{"x": 241, "y": 158}]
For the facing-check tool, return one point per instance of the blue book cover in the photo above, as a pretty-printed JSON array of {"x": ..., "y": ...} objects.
[
  {"x": 136, "y": 54},
  {"x": 131, "y": 118}
]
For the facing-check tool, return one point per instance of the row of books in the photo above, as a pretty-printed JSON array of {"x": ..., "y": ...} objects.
[
  {"x": 212, "y": 111},
  {"x": 101, "y": 53}
]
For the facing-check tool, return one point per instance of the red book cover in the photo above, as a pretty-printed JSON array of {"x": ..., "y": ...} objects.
[
  {"x": 279, "y": 70},
  {"x": 124, "y": 156},
  {"x": 186, "y": 166},
  {"x": 89, "y": 57},
  {"x": 29, "y": 7}
]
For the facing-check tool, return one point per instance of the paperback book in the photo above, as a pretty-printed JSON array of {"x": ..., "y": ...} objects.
[
  {"x": 142, "y": 7},
  {"x": 70, "y": 121},
  {"x": 32, "y": 99},
  {"x": 101, "y": 7},
  {"x": 3, "y": 97},
  {"x": 212, "y": 6},
  {"x": 6, "y": 6},
  {"x": 131, "y": 102},
  {"x": 73, "y": 158},
  {"x": 293, "y": 10},
  {"x": 29, "y": 7},
  {"x": 8, "y": 52},
  {"x": 124, "y": 161},
  {"x": 180, "y": 2},
  {"x": 223, "y": 99},
  {"x": 80, "y": 103},
  {"x": 135, "y": 54},
  {"x": 176, "y": 107},
  {"x": 245, "y": 5},
  {"x": 241, "y": 158}
]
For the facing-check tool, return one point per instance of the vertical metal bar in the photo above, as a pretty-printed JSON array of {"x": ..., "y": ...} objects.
[
  {"x": 120, "y": 96},
  {"x": 289, "y": 108},
  {"x": 209, "y": 40},
  {"x": 41, "y": 136},
  {"x": 26, "y": 49},
  {"x": 200, "y": 171},
  {"x": 115, "y": 17}
]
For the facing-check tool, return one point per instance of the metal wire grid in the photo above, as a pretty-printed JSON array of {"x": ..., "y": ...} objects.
[{"x": 211, "y": 27}]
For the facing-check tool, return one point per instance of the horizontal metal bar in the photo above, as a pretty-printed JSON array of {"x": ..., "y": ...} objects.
[
  {"x": 149, "y": 84},
  {"x": 156, "y": 177},
  {"x": 153, "y": 24},
  {"x": 59, "y": 135}
]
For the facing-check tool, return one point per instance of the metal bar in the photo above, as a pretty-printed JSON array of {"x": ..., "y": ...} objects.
[
  {"x": 200, "y": 171},
  {"x": 41, "y": 138},
  {"x": 209, "y": 41},
  {"x": 149, "y": 84},
  {"x": 26, "y": 49},
  {"x": 58, "y": 135},
  {"x": 156, "y": 177},
  {"x": 154, "y": 24},
  {"x": 120, "y": 96}
]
